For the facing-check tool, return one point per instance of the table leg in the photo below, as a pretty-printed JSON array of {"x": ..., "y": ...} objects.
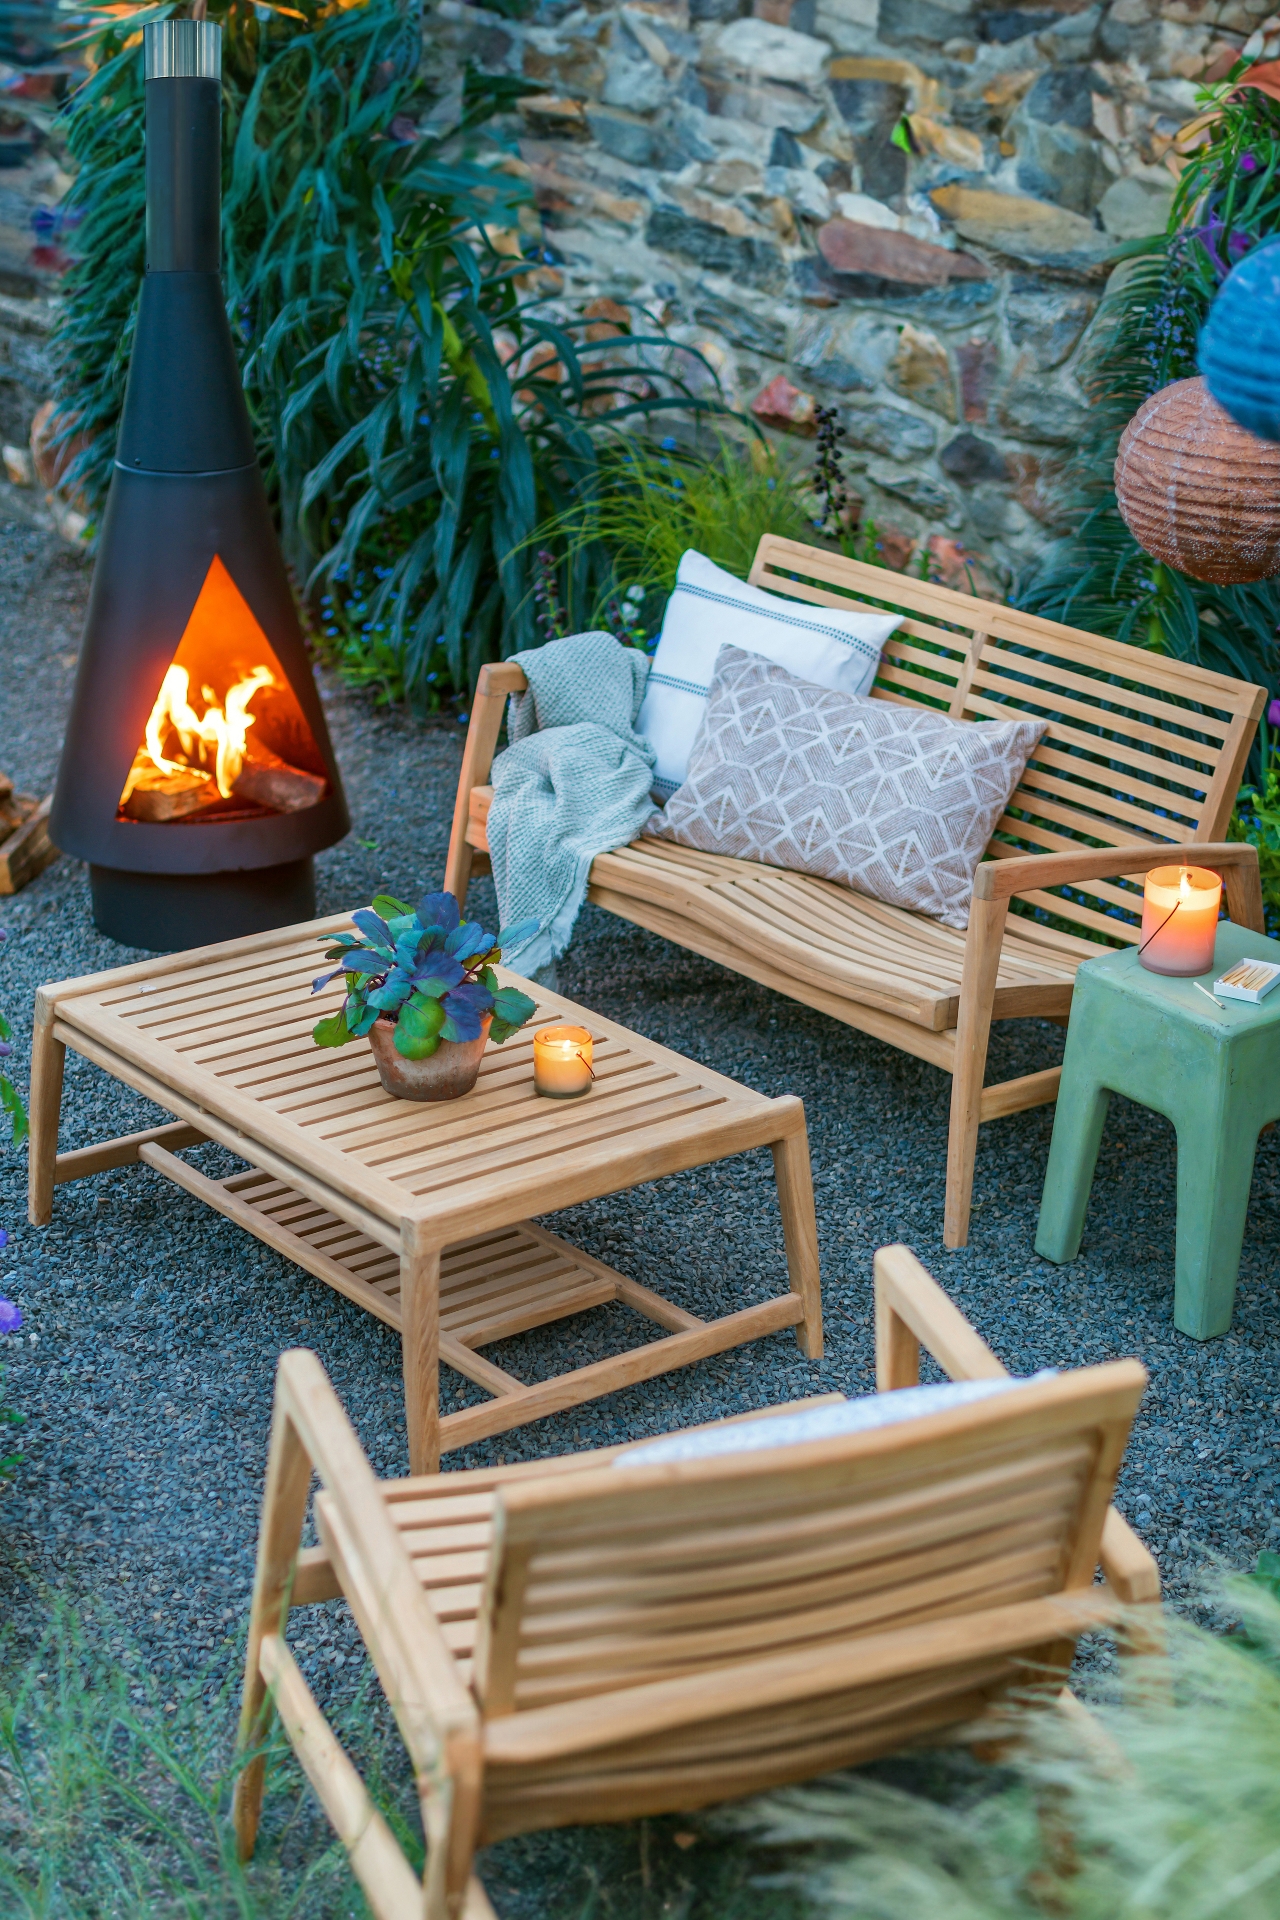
[
  {"x": 1217, "y": 1141},
  {"x": 800, "y": 1234},
  {"x": 1073, "y": 1156},
  {"x": 420, "y": 1342},
  {"x": 47, "y": 1060}
]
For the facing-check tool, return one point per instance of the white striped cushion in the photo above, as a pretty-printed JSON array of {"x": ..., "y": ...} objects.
[{"x": 710, "y": 607}]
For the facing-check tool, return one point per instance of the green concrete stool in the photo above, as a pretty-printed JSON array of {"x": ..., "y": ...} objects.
[{"x": 1215, "y": 1074}]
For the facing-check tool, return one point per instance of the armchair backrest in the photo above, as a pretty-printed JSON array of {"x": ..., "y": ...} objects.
[
  {"x": 1140, "y": 747},
  {"x": 607, "y": 1579}
]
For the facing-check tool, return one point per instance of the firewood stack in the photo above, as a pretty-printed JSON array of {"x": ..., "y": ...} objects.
[{"x": 25, "y": 846}]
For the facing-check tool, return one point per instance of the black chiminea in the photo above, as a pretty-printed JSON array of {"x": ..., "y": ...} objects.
[{"x": 197, "y": 776}]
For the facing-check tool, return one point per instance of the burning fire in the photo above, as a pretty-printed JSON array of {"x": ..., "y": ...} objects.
[
  {"x": 221, "y": 734},
  {"x": 206, "y": 766}
]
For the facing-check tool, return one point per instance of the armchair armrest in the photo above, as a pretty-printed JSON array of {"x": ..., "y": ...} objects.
[
  {"x": 501, "y": 676},
  {"x": 436, "y": 1712},
  {"x": 912, "y": 1311},
  {"x": 487, "y": 708},
  {"x": 1235, "y": 859},
  {"x": 1130, "y": 1568}
]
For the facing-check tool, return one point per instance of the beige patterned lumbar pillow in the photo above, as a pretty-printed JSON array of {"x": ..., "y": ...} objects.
[{"x": 897, "y": 802}]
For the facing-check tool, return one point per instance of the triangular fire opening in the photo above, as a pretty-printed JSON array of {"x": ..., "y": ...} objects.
[{"x": 226, "y": 738}]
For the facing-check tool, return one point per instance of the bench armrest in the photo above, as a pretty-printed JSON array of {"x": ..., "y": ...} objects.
[
  {"x": 1236, "y": 859},
  {"x": 494, "y": 686}
]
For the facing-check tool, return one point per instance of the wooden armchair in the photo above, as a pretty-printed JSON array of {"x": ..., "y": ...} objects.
[
  {"x": 562, "y": 1641},
  {"x": 1140, "y": 765}
]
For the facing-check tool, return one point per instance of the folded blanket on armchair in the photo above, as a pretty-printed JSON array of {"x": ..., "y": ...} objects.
[{"x": 573, "y": 783}]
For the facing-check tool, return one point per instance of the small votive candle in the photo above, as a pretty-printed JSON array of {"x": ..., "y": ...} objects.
[
  {"x": 562, "y": 1062},
  {"x": 1180, "y": 920}
]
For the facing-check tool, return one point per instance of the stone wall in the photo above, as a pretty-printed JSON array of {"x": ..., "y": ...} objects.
[{"x": 899, "y": 208}]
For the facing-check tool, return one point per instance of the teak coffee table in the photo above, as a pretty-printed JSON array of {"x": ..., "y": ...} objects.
[{"x": 420, "y": 1213}]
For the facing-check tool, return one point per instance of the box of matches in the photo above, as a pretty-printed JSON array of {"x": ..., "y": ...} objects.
[{"x": 1250, "y": 980}]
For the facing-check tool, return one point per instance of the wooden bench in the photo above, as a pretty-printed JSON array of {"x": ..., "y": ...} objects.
[{"x": 1143, "y": 754}]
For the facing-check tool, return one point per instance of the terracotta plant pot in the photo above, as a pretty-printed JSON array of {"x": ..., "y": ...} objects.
[{"x": 447, "y": 1074}]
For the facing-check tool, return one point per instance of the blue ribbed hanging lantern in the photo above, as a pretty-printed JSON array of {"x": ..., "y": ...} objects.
[{"x": 1240, "y": 345}]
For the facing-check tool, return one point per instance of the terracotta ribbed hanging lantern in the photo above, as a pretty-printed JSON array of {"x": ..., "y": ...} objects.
[{"x": 1197, "y": 491}]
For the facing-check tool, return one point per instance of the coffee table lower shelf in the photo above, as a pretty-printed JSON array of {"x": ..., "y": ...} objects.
[{"x": 492, "y": 1287}]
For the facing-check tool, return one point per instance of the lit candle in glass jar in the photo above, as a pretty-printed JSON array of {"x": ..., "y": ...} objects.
[
  {"x": 1180, "y": 920},
  {"x": 562, "y": 1062}
]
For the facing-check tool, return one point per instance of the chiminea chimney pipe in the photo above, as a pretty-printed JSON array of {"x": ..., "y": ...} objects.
[
  {"x": 184, "y": 160},
  {"x": 184, "y": 410}
]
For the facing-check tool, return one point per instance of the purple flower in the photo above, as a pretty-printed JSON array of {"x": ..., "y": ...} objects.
[
  {"x": 1249, "y": 163},
  {"x": 1210, "y": 238},
  {"x": 10, "y": 1317},
  {"x": 1273, "y": 714},
  {"x": 5, "y": 1049}
]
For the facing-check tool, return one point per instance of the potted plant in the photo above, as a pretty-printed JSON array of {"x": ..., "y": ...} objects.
[{"x": 421, "y": 988}]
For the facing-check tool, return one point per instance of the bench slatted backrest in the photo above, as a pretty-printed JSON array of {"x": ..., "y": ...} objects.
[
  {"x": 612, "y": 1578},
  {"x": 1140, "y": 748}
]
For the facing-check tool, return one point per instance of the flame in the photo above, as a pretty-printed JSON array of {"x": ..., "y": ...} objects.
[{"x": 223, "y": 730}]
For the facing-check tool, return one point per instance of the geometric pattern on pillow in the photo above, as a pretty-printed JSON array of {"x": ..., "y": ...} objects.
[{"x": 897, "y": 802}]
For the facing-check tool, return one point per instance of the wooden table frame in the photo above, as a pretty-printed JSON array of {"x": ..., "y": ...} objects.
[{"x": 334, "y": 1210}]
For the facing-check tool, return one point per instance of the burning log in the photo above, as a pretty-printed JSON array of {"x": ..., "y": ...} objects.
[
  {"x": 191, "y": 764},
  {"x": 263, "y": 781},
  {"x": 271, "y": 782},
  {"x": 154, "y": 795}
]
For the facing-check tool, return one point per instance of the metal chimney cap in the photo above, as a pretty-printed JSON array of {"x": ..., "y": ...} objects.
[{"x": 183, "y": 50}]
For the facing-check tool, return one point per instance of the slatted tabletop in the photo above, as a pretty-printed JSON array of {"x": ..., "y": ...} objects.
[
  {"x": 231, "y": 1035},
  {"x": 419, "y": 1212}
]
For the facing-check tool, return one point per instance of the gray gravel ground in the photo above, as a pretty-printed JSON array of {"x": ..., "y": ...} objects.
[{"x": 152, "y": 1325}]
